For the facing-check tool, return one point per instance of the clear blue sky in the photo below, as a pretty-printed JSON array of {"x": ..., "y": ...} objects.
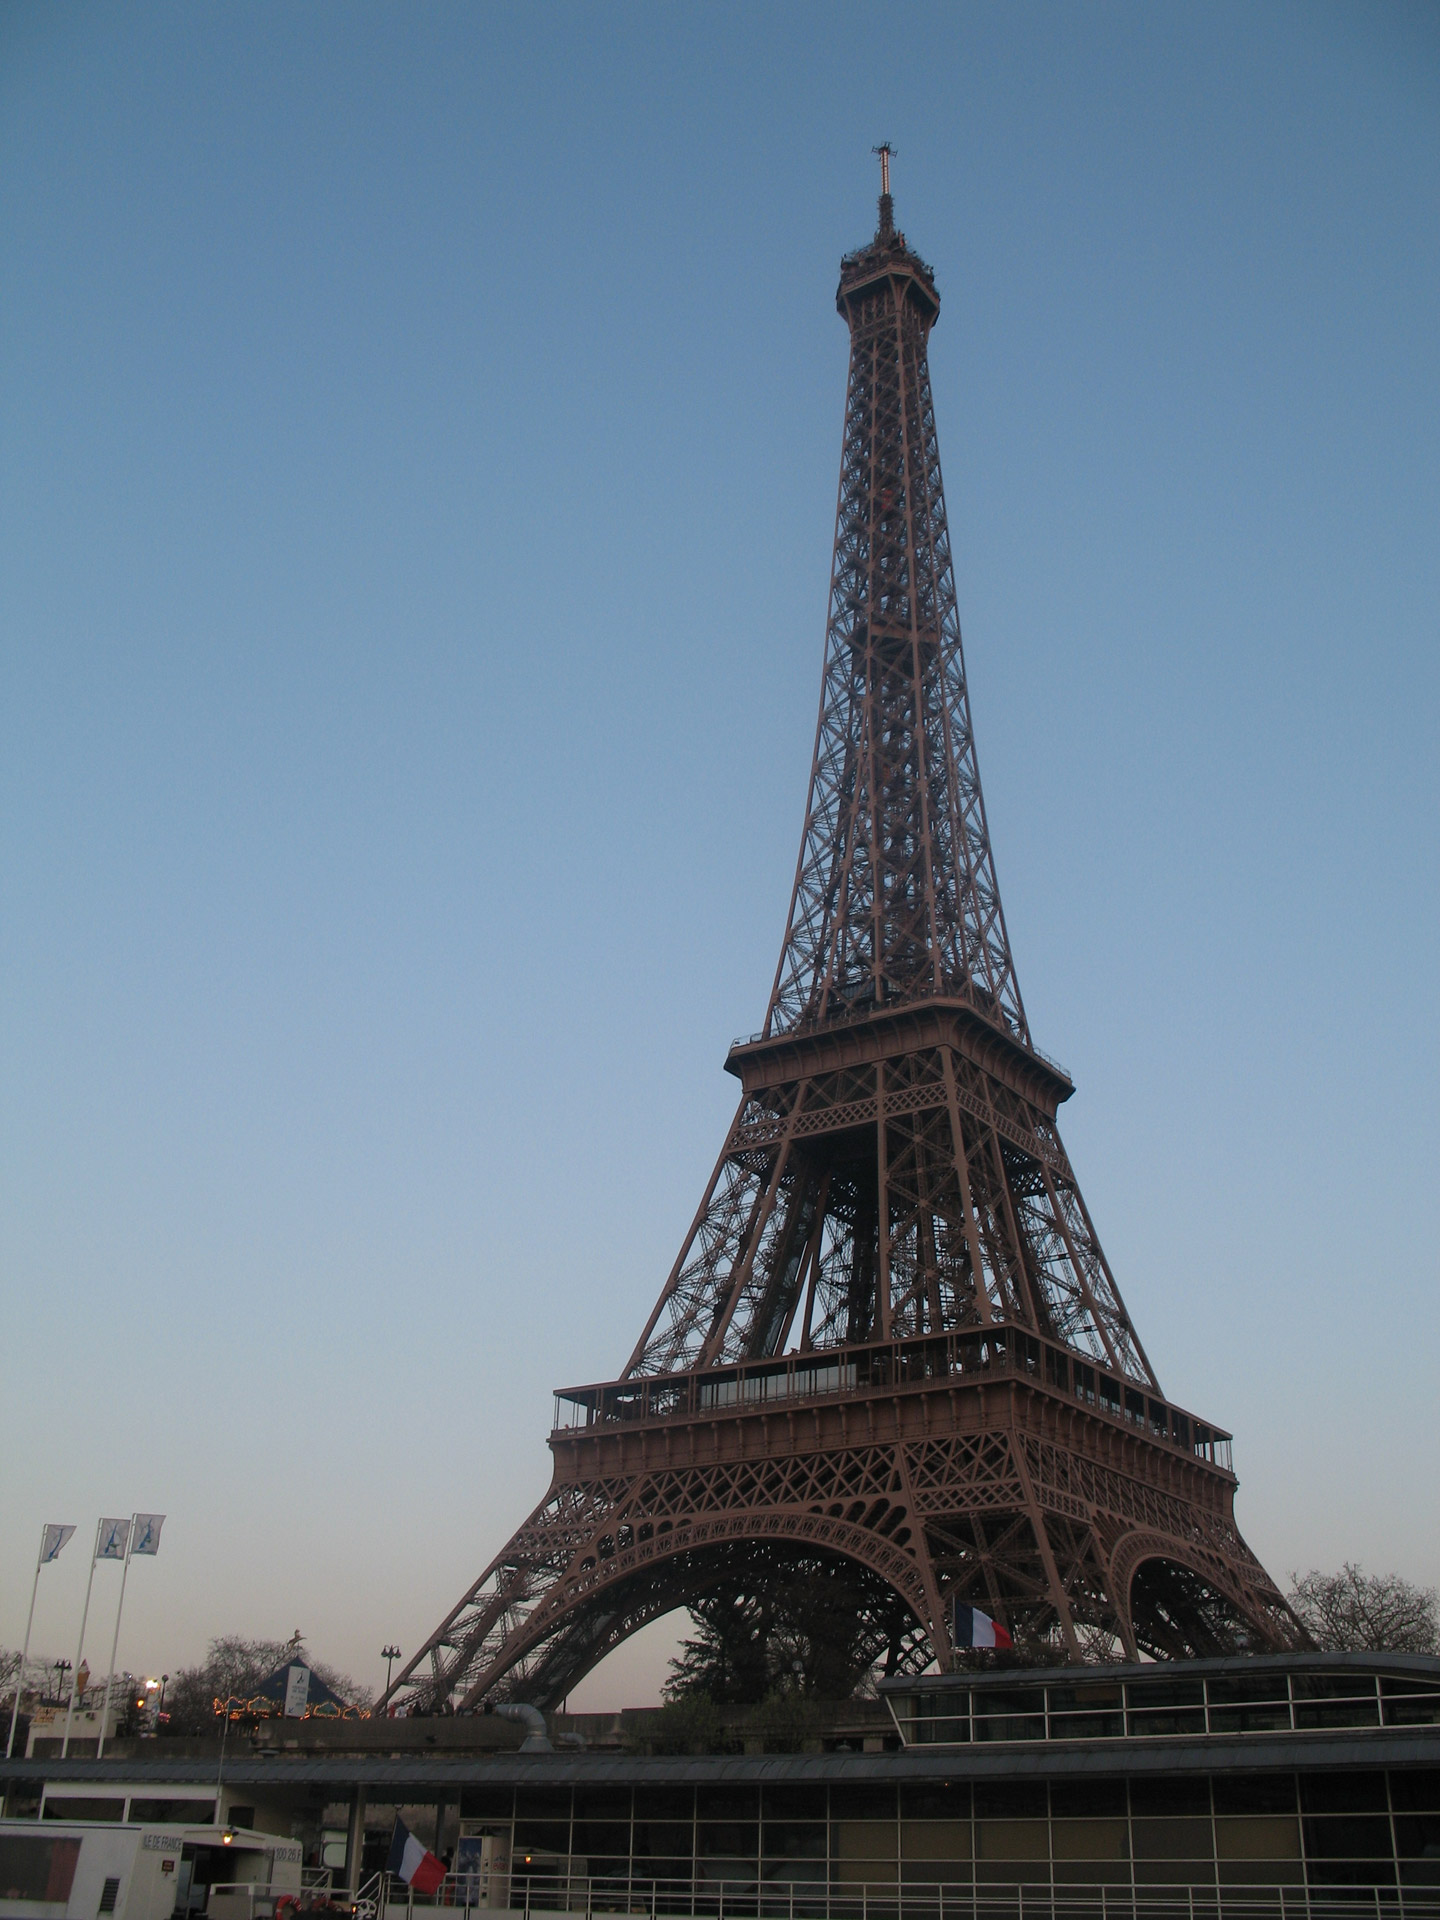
[{"x": 420, "y": 437}]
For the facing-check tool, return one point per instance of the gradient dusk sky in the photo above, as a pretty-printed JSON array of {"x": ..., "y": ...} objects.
[{"x": 420, "y": 438}]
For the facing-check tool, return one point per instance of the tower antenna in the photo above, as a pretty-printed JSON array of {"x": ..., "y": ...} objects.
[{"x": 887, "y": 205}]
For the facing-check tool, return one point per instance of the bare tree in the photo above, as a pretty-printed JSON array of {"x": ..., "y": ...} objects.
[
  {"x": 1355, "y": 1612},
  {"x": 9, "y": 1674}
]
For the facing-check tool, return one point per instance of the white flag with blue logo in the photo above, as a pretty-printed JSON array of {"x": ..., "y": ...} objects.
[
  {"x": 147, "y": 1533},
  {"x": 51, "y": 1541},
  {"x": 112, "y": 1540}
]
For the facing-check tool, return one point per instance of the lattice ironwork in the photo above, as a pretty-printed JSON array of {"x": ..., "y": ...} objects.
[{"x": 891, "y": 1333}]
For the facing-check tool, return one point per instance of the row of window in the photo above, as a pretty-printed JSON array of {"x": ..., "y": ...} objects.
[
  {"x": 145, "y": 1812},
  {"x": 1401, "y": 1791},
  {"x": 1104, "y": 1710},
  {"x": 1230, "y": 1836}
]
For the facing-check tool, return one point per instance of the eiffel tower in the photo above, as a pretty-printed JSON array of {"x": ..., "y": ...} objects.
[{"x": 891, "y": 1338}]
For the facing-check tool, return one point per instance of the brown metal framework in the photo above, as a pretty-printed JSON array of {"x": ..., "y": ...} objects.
[{"x": 891, "y": 1333}]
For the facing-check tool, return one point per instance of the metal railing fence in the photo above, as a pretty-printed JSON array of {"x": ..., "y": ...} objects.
[{"x": 929, "y": 1900}]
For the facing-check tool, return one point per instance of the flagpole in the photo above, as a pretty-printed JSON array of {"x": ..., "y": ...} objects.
[
  {"x": 120, "y": 1608},
  {"x": 75, "y": 1670},
  {"x": 25, "y": 1655}
]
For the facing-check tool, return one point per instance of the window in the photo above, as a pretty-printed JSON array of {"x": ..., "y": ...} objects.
[
  {"x": 864, "y": 1839},
  {"x": 109, "y": 1894},
  {"x": 939, "y": 1841},
  {"x": 1173, "y": 1839},
  {"x": 1360, "y": 1836},
  {"x": 728, "y": 1803},
  {"x": 1091, "y": 1840},
  {"x": 1166, "y": 1799},
  {"x": 728, "y": 1839},
  {"x": 186, "y": 1813},
  {"x": 867, "y": 1802},
  {"x": 935, "y": 1800},
  {"x": 1409, "y": 1703},
  {"x": 664, "y": 1840},
  {"x": 72, "y": 1807},
  {"x": 664, "y": 1803},
  {"x": 602, "y": 1803},
  {"x": 1254, "y": 1793},
  {"x": 601, "y": 1839},
  {"x": 1349, "y": 1792},
  {"x": 1417, "y": 1837},
  {"x": 1176, "y": 1708},
  {"x": 1252, "y": 1705},
  {"x": 542, "y": 1836},
  {"x": 1086, "y": 1713},
  {"x": 1009, "y": 1713},
  {"x": 1335, "y": 1700},
  {"x": 1011, "y": 1800},
  {"x": 487, "y": 1803},
  {"x": 794, "y": 1803},
  {"x": 1087, "y": 1799},
  {"x": 795, "y": 1839},
  {"x": 542, "y": 1803},
  {"x": 863, "y": 1850},
  {"x": 940, "y": 1719},
  {"x": 1416, "y": 1790},
  {"x": 1265, "y": 1836},
  {"x": 32, "y": 1868},
  {"x": 1012, "y": 1840}
]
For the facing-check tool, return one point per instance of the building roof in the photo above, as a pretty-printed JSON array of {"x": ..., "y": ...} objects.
[{"x": 421, "y": 1776}]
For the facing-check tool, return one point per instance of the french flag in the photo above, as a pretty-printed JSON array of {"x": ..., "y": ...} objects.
[
  {"x": 415, "y": 1864},
  {"x": 976, "y": 1629}
]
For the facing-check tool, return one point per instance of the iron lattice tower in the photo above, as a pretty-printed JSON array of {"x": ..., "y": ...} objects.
[{"x": 891, "y": 1335}]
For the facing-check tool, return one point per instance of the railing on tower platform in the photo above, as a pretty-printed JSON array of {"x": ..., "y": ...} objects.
[{"x": 890, "y": 1366}]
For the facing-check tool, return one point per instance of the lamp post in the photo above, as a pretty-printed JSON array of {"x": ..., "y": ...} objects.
[
  {"x": 389, "y": 1655},
  {"x": 62, "y": 1667}
]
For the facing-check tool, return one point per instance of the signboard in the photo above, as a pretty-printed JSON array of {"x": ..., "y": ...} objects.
[{"x": 297, "y": 1692}]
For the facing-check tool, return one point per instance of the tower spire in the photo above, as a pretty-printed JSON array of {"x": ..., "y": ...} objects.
[{"x": 887, "y": 205}]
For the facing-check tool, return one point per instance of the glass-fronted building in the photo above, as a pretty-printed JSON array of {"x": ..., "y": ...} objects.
[{"x": 1288, "y": 1785}]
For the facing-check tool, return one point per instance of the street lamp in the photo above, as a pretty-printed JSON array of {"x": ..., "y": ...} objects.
[
  {"x": 389, "y": 1655},
  {"x": 62, "y": 1667}
]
